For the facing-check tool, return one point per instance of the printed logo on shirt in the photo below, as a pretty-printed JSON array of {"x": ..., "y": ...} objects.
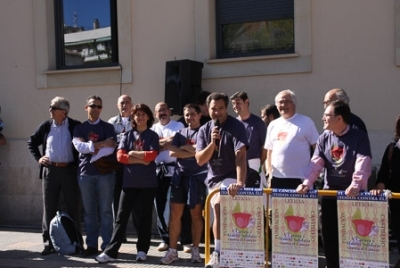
[
  {"x": 93, "y": 137},
  {"x": 282, "y": 136},
  {"x": 189, "y": 141},
  {"x": 138, "y": 145},
  {"x": 337, "y": 153},
  {"x": 216, "y": 162}
]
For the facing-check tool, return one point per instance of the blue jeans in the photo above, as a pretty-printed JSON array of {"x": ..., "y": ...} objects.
[{"x": 97, "y": 197}]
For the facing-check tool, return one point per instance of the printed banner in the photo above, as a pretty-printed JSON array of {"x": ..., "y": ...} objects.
[
  {"x": 294, "y": 229},
  {"x": 242, "y": 229},
  {"x": 363, "y": 230}
]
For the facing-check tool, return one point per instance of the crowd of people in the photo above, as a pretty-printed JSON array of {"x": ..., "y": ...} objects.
[{"x": 120, "y": 169}]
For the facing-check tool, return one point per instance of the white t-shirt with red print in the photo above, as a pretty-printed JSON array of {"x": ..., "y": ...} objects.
[{"x": 290, "y": 141}]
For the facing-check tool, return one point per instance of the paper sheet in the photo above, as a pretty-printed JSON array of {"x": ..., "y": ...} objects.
[{"x": 102, "y": 152}]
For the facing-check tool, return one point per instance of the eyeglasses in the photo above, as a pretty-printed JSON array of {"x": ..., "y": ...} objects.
[
  {"x": 326, "y": 102},
  {"x": 95, "y": 106},
  {"x": 285, "y": 101},
  {"x": 53, "y": 108}
]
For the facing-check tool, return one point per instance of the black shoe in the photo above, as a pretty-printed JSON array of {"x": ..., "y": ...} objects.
[
  {"x": 90, "y": 251},
  {"x": 47, "y": 250}
]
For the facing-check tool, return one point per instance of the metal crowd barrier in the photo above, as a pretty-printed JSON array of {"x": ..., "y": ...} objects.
[{"x": 267, "y": 191}]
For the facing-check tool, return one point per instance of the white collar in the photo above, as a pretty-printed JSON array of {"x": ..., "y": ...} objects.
[{"x": 95, "y": 122}]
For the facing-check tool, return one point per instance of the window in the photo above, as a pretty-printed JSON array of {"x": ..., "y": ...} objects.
[
  {"x": 254, "y": 27},
  {"x": 86, "y": 33},
  {"x": 299, "y": 61},
  {"x": 47, "y": 73}
]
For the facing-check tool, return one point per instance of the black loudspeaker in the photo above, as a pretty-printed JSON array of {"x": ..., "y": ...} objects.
[{"x": 182, "y": 83}]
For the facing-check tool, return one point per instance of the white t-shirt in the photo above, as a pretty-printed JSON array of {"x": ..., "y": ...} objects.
[
  {"x": 290, "y": 141},
  {"x": 165, "y": 131}
]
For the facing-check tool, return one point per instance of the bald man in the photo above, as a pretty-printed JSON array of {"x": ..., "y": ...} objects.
[
  {"x": 290, "y": 141},
  {"x": 341, "y": 95},
  {"x": 122, "y": 123},
  {"x": 166, "y": 129}
]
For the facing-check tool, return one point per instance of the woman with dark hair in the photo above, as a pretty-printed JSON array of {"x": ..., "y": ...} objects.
[
  {"x": 137, "y": 150},
  {"x": 389, "y": 178}
]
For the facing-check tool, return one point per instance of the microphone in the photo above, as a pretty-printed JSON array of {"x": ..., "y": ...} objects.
[{"x": 216, "y": 123}]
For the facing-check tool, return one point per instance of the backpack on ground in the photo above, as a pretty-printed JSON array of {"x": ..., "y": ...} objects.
[{"x": 64, "y": 234}]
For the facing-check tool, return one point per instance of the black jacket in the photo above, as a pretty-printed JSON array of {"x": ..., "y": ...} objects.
[
  {"x": 39, "y": 138},
  {"x": 392, "y": 183}
]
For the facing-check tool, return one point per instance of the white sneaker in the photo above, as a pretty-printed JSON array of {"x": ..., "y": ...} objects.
[
  {"x": 187, "y": 248},
  {"x": 195, "y": 255},
  {"x": 141, "y": 256},
  {"x": 162, "y": 246},
  {"x": 214, "y": 260},
  {"x": 104, "y": 258},
  {"x": 170, "y": 257}
]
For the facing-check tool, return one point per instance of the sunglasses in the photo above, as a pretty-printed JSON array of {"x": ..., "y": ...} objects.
[
  {"x": 53, "y": 108},
  {"x": 95, "y": 106}
]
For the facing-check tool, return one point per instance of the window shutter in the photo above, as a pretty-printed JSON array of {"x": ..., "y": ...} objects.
[{"x": 239, "y": 11}]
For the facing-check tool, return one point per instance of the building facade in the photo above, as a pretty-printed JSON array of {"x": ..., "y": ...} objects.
[{"x": 350, "y": 44}]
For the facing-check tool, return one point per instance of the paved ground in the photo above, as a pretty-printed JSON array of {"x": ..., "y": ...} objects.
[{"x": 20, "y": 248}]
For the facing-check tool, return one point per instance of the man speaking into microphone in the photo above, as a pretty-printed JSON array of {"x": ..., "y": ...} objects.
[{"x": 222, "y": 143}]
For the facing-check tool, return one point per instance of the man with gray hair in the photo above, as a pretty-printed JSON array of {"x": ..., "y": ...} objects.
[
  {"x": 341, "y": 95},
  {"x": 58, "y": 166},
  {"x": 289, "y": 142}
]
